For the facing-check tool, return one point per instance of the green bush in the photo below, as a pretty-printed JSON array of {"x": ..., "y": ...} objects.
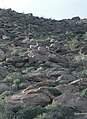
[
  {"x": 72, "y": 43},
  {"x": 30, "y": 113},
  {"x": 19, "y": 51},
  {"x": 17, "y": 81},
  {"x": 6, "y": 93},
  {"x": 81, "y": 57},
  {"x": 84, "y": 92},
  {"x": 5, "y": 111},
  {"x": 82, "y": 74},
  {"x": 11, "y": 77},
  {"x": 4, "y": 47},
  {"x": 30, "y": 69},
  {"x": 64, "y": 81},
  {"x": 81, "y": 60},
  {"x": 66, "y": 113},
  {"x": 60, "y": 112}
]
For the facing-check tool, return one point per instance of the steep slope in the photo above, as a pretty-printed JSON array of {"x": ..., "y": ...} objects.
[{"x": 43, "y": 66}]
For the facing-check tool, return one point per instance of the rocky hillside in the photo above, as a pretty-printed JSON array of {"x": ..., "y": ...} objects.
[{"x": 43, "y": 67}]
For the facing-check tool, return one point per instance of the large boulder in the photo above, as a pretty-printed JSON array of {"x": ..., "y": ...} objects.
[
  {"x": 73, "y": 100},
  {"x": 34, "y": 76},
  {"x": 33, "y": 97}
]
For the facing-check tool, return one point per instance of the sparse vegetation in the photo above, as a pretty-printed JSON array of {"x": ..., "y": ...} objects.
[
  {"x": 63, "y": 82},
  {"x": 84, "y": 92},
  {"x": 72, "y": 43},
  {"x": 19, "y": 51},
  {"x": 30, "y": 113},
  {"x": 17, "y": 81},
  {"x": 11, "y": 77},
  {"x": 5, "y": 111},
  {"x": 60, "y": 111},
  {"x": 6, "y": 93},
  {"x": 32, "y": 79}
]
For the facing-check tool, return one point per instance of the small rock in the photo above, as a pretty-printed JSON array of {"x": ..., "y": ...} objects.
[
  {"x": 14, "y": 88},
  {"x": 4, "y": 37},
  {"x": 19, "y": 65},
  {"x": 2, "y": 55}
]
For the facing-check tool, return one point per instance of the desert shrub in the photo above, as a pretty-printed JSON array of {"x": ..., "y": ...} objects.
[
  {"x": 30, "y": 69},
  {"x": 64, "y": 81},
  {"x": 30, "y": 113},
  {"x": 60, "y": 112},
  {"x": 17, "y": 81},
  {"x": 8, "y": 79},
  {"x": 72, "y": 43},
  {"x": 5, "y": 111},
  {"x": 4, "y": 47},
  {"x": 80, "y": 68},
  {"x": 66, "y": 113},
  {"x": 19, "y": 51},
  {"x": 84, "y": 92},
  {"x": 81, "y": 59},
  {"x": 6, "y": 93},
  {"x": 53, "y": 106},
  {"x": 82, "y": 74},
  {"x": 54, "y": 91},
  {"x": 43, "y": 116},
  {"x": 11, "y": 77}
]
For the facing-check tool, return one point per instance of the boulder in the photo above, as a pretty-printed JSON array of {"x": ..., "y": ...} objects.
[
  {"x": 35, "y": 76},
  {"x": 63, "y": 88},
  {"x": 73, "y": 100},
  {"x": 4, "y": 37},
  {"x": 3, "y": 88},
  {"x": 81, "y": 83},
  {"x": 33, "y": 97},
  {"x": 66, "y": 78}
]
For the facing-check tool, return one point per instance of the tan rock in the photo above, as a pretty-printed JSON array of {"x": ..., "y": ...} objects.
[
  {"x": 81, "y": 83},
  {"x": 39, "y": 96},
  {"x": 41, "y": 84}
]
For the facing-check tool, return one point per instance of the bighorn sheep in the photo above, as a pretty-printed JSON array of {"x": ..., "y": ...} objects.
[
  {"x": 43, "y": 48},
  {"x": 34, "y": 46}
]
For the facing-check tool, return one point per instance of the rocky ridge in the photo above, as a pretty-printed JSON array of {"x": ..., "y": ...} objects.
[{"x": 43, "y": 62}]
